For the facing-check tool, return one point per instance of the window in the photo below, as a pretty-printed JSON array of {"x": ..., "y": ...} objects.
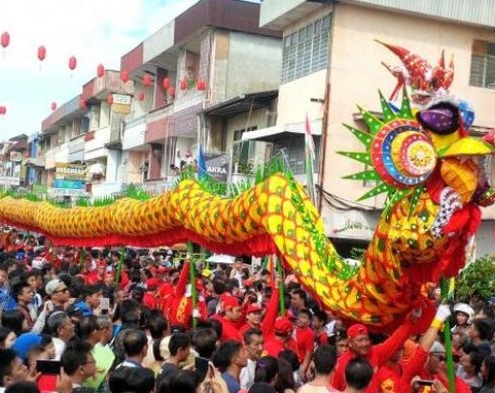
[
  {"x": 483, "y": 64},
  {"x": 306, "y": 50},
  {"x": 242, "y": 156}
]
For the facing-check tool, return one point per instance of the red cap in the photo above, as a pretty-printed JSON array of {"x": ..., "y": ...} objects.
[
  {"x": 248, "y": 283},
  {"x": 230, "y": 302},
  {"x": 152, "y": 283},
  {"x": 283, "y": 326},
  {"x": 254, "y": 307},
  {"x": 356, "y": 330}
]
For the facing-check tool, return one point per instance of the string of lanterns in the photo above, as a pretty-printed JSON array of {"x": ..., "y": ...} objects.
[{"x": 100, "y": 72}]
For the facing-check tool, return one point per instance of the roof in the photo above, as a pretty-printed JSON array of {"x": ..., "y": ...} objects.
[{"x": 241, "y": 104}]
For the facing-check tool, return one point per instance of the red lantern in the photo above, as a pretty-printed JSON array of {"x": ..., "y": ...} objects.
[
  {"x": 41, "y": 53},
  {"x": 146, "y": 80},
  {"x": 183, "y": 84},
  {"x": 171, "y": 91},
  {"x": 82, "y": 103},
  {"x": 72, "y": 63},
  {"x": 124, "y": 76},
  {"x": 3, "y": 110},
  {"x": 100, "y": 70},
  {"x": 201, "y": 84},
  {"x": 53, "y": 105},
  {"x": 5, "y": 40},
  {"x": 110, "y": 99},
  {"x": 166, "y": 83},
  {"x": 141, "y": 96}
]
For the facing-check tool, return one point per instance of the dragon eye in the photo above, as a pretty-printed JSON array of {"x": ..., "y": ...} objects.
[{"x": 441, "y": 118}]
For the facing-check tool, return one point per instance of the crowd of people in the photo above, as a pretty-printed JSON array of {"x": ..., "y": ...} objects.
[{"x": 124, "y": 320}]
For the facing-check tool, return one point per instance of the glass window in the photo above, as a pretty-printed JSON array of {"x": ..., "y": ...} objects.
[
  {"x": 482, "y": 72},
  {"x": 306, "y": 50}
]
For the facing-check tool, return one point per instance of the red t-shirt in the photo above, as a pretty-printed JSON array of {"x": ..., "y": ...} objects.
[
  {"x": 388, "y": 378},
  {"x": 377, "y": 356},
  {"x": 273, "y": 346},
  {"x": 305, "y": 341},
  {"x": 229, "y": 331},
  {"x": 149, "y": 301}
]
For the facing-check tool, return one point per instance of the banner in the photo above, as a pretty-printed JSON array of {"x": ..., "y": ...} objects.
[{"x": 217, "y": 166}]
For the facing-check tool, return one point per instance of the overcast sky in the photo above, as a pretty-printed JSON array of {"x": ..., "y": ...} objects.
[{"x": 94, "y": 31}]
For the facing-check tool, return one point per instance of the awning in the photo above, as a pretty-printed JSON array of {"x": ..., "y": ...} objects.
[{"x": 269, "y": 134}]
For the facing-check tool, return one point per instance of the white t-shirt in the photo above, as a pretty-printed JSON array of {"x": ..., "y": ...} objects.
[{"x": 247, "y": 375}]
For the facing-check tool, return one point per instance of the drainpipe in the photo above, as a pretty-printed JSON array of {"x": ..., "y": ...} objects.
[{"x": 323, "y": 142}]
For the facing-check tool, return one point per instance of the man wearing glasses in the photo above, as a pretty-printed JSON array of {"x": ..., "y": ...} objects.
[{"x": 59, "y": 295}]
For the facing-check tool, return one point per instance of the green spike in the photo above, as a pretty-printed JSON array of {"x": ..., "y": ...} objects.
[
  {"x": 365, "y": 175},
  {"x": 362, "y": 157},
  {"x": 371, "y": 121},
  {"x": 379, "y": 189},
  {"x": 388, "y": 113},
  {"x": 415, "y": 198},
  {"x": 396, "y": 197},
  {"x": 363, "y": 136},
  {"x": 405, "y": 108}
]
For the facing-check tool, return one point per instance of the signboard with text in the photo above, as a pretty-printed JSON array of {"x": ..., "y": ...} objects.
[
  {"x": 217, "y": 166},
  {"x": 66, "y": 171}
]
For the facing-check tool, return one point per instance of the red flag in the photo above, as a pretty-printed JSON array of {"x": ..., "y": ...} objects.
[{"x": 308, "y": 138}]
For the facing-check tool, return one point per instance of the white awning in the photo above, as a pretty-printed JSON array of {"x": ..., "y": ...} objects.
[{"x": 270, "y": 133}]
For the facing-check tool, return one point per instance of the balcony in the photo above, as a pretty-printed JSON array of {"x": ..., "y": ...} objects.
[
  {"x": 134, "y": 132},
  {"x": 95, "y": 143},
  {"x": 101, "y": 190},
  {"x": 76, "y": 149}
]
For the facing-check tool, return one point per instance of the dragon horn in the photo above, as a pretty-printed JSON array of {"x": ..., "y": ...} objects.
[
  {"x": 451, "y": 64},
  {"x": 399, "y": 51},
  {"x": 441, "y": 62}
]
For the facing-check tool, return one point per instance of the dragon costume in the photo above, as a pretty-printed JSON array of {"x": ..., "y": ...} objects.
[{"x": 425, "y": 161}]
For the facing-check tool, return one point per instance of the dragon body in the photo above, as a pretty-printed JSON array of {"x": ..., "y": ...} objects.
[{"x": 425, "y": 162}]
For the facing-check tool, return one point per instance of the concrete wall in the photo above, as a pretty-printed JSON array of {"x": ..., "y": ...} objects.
[
  {"x": 295, "y": 98},
  {"x": 254, "y": 64},
  {"x": 244, "y": 63}
]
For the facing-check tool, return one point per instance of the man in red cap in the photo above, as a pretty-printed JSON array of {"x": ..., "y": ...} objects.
[
  {"x": 232, "y": 313},
  {"x": 281, "y": 340},
  {"x": 149, "y": 298},
  {"x": 253, "y": 317},
  {"x": 97, "y": 275},
  {"x": 359, "y": 345}
]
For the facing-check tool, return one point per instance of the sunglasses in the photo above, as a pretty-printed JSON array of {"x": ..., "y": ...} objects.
[{"x": 442, "y": 358}]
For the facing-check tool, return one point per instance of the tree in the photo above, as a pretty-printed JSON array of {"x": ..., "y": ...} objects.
[{"x": 477, "y": 279}]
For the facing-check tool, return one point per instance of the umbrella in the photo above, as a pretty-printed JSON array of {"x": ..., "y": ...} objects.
[
  {"x": 97, "y": 169},
  {"x": 221, "y": 258}
]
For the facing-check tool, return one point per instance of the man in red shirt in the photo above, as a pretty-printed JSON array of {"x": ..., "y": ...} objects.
[
  {"x": 233, "y": 312},
  {"x": 360, "y": 346},
  {"x": 304, "y": 337},
  {"x": 253, "y": 318},
  {"x": 281, "y": 340},
  {"x": 149, "y": 298}
]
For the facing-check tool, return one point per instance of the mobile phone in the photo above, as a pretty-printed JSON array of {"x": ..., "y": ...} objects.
[
  {"x": 424, "y": 382},
  {"x": 202, "y": 366},
  {"x": 48, "y": 367},
  {"x": 105, "y": 303}
]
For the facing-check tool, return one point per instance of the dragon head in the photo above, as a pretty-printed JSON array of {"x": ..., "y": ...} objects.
[
  {"x": 460, "y": 157},
  {"x": 433, "y": 174}
]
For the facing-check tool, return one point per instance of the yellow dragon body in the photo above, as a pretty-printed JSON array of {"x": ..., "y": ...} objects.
[{"x": 425, "y": 162}]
